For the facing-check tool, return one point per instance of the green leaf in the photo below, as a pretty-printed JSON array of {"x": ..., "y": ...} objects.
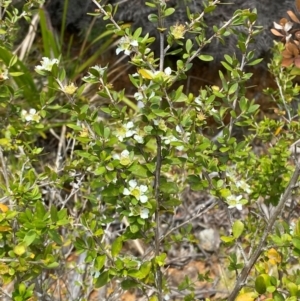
[
  {"x": 128, "y": 284},
  {"x": 110, "y": 191},
  {"x": 168, "y": 187},
  {"x": 205, "y": 57},
  {"x": 260, "y": 285},
  {"x": 255, "y": 62},
  {"x": 139, "y": 170},
  {"x": 100, "y": 261},
  {"x": 153, "y": 18},
  {"x": 160, "y": 259},
  {"x": 117, "y": 246},
  {"x": 293, "y": 288},
  {"x": 145, "y": 269},
  {"x": 55, "y": 236},
  {"x": 13, "y": 61},
  {"x": 169, "y": 11},
  {"x": 74, "y": 127},
  {"x": 233, "y": 88},
  {"x": 22, "y": 288},
  {"x": 253, "y": 108},
  {"x": 227, "y": 239},
  {"x": 296, "y": 243},
  {"x": 53, "y": 213},
  {"x": 134, "y": 228},
  {"x": 40, "y": 210},
  {"x": 52, "y": 265},
  {"x": 209, "y": 9},
  {"x": 16, "y": 74},
  {"x": 278, "y": 296},
  {"x": 237, "y": 229},
  {"x": 100, "y": 170},
  {"x": 188, "y": 47},
  {"x": 102, "y": 279},
  {"x": 99, "y": 128},
  {"x": 30, "y": 237},
  {"x": 227, "y": 66}
]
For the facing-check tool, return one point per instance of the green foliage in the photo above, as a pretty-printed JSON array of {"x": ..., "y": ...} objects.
[{"x": 128, "y": 166}]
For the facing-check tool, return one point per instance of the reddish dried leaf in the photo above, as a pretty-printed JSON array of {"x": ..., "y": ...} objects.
[
  {"x": 293, "y": 16},
  {"x": 287, "y": 62},
  {"x": 297, "y": 36},
  {"x": 292, "y": 49},
  {"x": 297, "y": 61},
  {"x": 276, "y": 33},
  {"x": 283, "y": 21},
  {"x": 297, "y": 3}
]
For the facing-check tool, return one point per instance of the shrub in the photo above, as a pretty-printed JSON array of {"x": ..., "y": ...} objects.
[{"x": 117, "y": 178}]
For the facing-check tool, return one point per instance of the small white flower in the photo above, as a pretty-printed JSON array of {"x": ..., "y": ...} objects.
[
  {"x": 140, "y": 104},
  {"x": 125, "y": 153},
  {"x": 144, "y": 213},
  {"x": 138, "y": 139},
  {"x": 126, "y": 44},
  {"x": 134, "y": 43},
  {"x": 198, "y": 101},
  {"x": 139, "y": 136},
  {"x": 136, "y": 191},
  {"x": 235, "y": 202},
  {"x": 70, "y": 89},
  {"x": 46, "y": 64},
  {"x": 138, "y": 96},
  {"x": 100, "y": 69},
  {"x": 125, "y": 158},
  {"x": 32, "y": 115},
  {"x": 167, "y": 140},
  {"x": 93, "y": 77},
  {"x": 243, "y": 185},
  {"x": 179, "y": 129},
  {"x": 168, "y": 71},
  {"x": 125, "y": 131},
  {"x": 231, "y": 176}
]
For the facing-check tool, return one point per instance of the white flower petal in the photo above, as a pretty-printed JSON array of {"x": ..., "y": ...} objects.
[
  {"x": 143, "y": 188},
  {"x": 239, "y": 206},
  {"x": 132, "y": 183},
  {"x": 143, "y": 198},
  {"x": 168, "y": 71},
  {"x": 144, "y": 213},
  {"x": 134, "y": 43},
  {"x": 126, "y": 191},
  {"x": 138, "y": 139},
  {"x": 129, "y": 125},
  {"x": 125, "y": 153},
  {"x": 130, "y": 133}
]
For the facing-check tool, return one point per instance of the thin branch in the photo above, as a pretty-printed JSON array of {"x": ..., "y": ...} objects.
[
  {"x": 157, "y": 218},
  {"x": 4, "y": 170},
  {"x": 161, "y": 36},
  {"x": 278, "y": 210},
  {"x": 198, "y": 214}
]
